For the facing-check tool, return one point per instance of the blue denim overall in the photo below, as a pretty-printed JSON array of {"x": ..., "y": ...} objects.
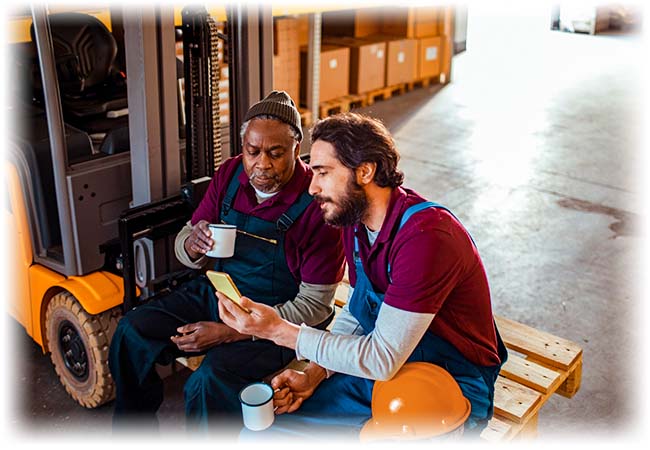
[
  {"x": 341, "y": 404},
  {"x": 260, "y": 271}
]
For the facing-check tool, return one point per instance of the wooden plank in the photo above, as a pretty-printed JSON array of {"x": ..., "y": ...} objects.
[
  {"x": 550, "y": 349},
  {"x": 531, "y": 374},
  {"x": 342, "y": 293},
  {"x": 191, "y": 362},
  {"x": 514, "y": 401},
  {"x": 497, "y": 430},
  {"x": 529, "y": 431},
  {"x": 571, "y": 385}
]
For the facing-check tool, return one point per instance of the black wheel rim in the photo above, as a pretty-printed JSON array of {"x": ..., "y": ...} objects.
[{"x": 73, "y": 351}]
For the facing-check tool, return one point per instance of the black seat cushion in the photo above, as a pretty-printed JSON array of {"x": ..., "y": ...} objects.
[{"x": 91, "y": 84}]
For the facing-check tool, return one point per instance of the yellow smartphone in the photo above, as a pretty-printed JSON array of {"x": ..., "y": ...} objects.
[{"x": 224, "y": 284}]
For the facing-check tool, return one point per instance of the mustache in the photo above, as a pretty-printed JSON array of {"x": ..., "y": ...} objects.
[
  {"x": 270, "y": 175},
  {"x": 321, "y": 199}
]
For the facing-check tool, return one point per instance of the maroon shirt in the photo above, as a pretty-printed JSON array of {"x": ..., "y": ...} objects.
[
  {"x": 314, "y": 250},
  {"x": 435, "y": 269}
]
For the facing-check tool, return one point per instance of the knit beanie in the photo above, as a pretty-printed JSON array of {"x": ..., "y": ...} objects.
[{"x": 277, "y": 104}]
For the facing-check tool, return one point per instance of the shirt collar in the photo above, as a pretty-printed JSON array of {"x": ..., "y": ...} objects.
[{"x": 393, "y": 214}]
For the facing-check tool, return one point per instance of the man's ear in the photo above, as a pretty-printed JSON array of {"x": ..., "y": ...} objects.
[
  {"x": 296, "y": 151},
  {"x": 366, "y": 173}
]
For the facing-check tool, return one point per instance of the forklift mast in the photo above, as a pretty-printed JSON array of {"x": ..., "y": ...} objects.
[{"x": 148, "y": 232}]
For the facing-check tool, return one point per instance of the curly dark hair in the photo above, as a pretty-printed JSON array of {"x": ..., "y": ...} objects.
[{"x": 358, "y": 139}]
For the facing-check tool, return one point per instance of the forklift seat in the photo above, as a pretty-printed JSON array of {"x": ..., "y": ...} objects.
[{"x": 93, "y": 88}]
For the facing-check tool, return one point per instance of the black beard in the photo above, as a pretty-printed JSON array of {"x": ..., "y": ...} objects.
[{"x": 351, "y": 209}]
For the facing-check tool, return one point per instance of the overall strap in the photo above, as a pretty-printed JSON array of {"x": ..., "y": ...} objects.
[
  {"x": 416, "y": 209},
  {"x": 290, "y": 215},
  {"x": 233, "y": 185}
]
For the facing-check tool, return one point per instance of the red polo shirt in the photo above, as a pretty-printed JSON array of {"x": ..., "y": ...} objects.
[
  {"x": 435, "y": 269},
  {"x": 314, "y": 250}
]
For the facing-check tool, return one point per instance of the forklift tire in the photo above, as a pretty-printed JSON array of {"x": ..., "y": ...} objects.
[{"x": 78, "y": 344}]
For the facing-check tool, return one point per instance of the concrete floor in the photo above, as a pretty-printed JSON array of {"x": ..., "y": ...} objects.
[{"x": 535, "y": 146}]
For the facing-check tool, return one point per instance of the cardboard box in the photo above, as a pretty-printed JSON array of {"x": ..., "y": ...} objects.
[
  {"x": 429, "y": 54},
  {"x": 286, "y": 57},
  {"x": 401, "y": 59},
  {"x": 303, "y": 30},
  {"x": 352, "y": 23},
  {"x": 334, "y": 73},
  {"x": 367, "y": 63},
  {"x": 411, "y": 22},
  {"x": 425, "y": 29}
]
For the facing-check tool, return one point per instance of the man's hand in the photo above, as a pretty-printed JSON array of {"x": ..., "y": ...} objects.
[
  {"x": 199, "y": 242},
  {"x": 200, "y": 336},
  {"x": 292, "y": 387},
  {"x": 263, "y": 321}
]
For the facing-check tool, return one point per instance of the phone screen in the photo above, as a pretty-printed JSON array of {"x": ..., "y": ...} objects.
[{"x": 224, "y": 284}]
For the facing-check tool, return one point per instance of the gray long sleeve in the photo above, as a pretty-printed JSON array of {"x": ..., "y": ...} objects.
[
  {"x": 377, "y": 355},
  {"x": 181, "y": 254},
  {"x": 312, "y": 304},
  {"x": 345, "y": 322}
]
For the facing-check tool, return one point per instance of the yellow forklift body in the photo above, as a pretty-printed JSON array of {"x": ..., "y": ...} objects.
[
  {"x": 32, "y": 285},
  {"x": 96, "y": 292},
  {"x": 20, "y": 248}
]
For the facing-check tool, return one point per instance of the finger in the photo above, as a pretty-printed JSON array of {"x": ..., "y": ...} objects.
[
  {"x": 198, "y": 246},
  {"x": 224, "y": 311},
  {"x": 281, "y": 379},
  {"x": 295, "y": 405},
  {"x": 202, "y": 242},
  {"x": 230, "y": 306},
  {"x": 283, "y": 406},
  {"x": 203, "y": 226},
  {"x": 187, "y": 328},
  {"x": 281, "y": 395}
]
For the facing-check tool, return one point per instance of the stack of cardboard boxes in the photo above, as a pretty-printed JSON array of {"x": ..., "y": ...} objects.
[
  {"x": 367, "y": 63},
  {"x": 364, "y": 31},
  {"x": 417, "y": 43},
  {"x": 286, "y": 56},
  {"x": 365, "y": 50}
]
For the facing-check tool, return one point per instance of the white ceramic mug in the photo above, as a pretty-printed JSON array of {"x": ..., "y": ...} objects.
[
  {"x": 257, "y": 406},
  {"x": 223, "y": 236}
]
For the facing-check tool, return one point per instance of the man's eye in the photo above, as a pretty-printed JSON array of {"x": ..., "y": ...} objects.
[{"x": 322, "y": 174}]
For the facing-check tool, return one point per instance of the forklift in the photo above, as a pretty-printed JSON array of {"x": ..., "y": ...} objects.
[{"x": 113, "y": 144}]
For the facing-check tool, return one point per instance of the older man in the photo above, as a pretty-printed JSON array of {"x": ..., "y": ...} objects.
[
  {"x": 420, "y": 289},
  {"x": 285, "y": 257}
]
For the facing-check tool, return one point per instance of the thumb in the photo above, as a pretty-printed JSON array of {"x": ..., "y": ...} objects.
[{"x": 186, "y": 328}]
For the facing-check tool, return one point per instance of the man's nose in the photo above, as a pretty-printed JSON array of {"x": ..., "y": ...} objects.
[
  {"x": 313, "y": 186},
  {"x": 264, "y": 161}
]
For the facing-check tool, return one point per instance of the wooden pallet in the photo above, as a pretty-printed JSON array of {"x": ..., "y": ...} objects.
[
  {"x": 423, "y": 82},
  {"x": 341, "y": 105},
  {"x": 539, "y": 365},
  {"x": 385, "y": 93}
]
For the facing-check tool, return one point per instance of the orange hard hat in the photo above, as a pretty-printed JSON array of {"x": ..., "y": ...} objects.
[{"x": 421, "y": 401}]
